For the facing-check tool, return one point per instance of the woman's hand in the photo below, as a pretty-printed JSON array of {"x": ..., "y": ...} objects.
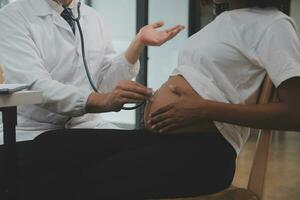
[
  {"x": 187, "y": 110},
  {"x": 149, "y": 36}
]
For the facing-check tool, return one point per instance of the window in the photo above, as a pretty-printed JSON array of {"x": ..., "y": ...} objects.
[
  {"x": 120, "y": 15},
  {"x": 162, "y": 60}
]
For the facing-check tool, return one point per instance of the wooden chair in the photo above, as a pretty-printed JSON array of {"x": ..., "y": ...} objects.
[{"x": 256, "y": 181}]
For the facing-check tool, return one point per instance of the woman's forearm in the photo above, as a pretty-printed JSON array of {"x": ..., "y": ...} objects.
[
  {"x": 282, "y": 115},
  {"x": 276, "y": 116}
]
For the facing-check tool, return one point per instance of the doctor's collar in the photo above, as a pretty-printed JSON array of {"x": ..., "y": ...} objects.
[
  {"x": 44, "y": 8},
  {"x": 59, "y": 9}
]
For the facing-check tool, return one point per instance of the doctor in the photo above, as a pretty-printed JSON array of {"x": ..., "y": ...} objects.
[{"x": 40, "y": 45}]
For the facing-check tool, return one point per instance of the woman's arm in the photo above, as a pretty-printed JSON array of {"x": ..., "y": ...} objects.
[{"x": 284, "y": 115}]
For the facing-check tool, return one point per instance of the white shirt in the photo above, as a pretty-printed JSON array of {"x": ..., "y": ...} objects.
[
  {"x": 228, "y": 59},
  {"x": 38, "y": 45}
]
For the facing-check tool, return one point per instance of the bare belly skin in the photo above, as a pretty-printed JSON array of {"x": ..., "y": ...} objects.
[{"x": 165, "y": 96}]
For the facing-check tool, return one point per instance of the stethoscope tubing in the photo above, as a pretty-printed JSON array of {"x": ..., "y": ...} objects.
[{"x": 77, "y": 20}]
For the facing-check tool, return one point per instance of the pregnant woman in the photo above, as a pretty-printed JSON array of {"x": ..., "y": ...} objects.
[{"x": 196, "y": 122}]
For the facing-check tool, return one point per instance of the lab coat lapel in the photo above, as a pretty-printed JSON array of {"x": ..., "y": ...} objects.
[
  {"x": 61, "y": 23},
  {"x": 42, "y": 8}
]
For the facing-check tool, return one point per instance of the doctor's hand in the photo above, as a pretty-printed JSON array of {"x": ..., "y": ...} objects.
[
  {"x": 125, "y": 92},
  {"x": 187, "y": 110},
  {"x": 150, "y": 36}
]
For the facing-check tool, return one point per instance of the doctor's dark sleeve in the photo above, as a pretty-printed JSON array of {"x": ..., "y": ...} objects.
[
  {"x": 22, "y": 63},
  {"x": 114, "y": 68}
]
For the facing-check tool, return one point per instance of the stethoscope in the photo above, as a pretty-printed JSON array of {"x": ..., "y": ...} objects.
[{"x": 77, "y": 19}]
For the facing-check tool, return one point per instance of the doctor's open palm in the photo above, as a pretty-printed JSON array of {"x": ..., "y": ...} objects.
[{"x": 150, "y": 36}]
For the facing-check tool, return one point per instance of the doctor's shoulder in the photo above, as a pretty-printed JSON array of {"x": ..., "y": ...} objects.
[
  {"x": 16, "y": 11},
  {"x": 89, "y": 11},
  {"x": 11, "y": 8},
  {"x": 12, "y": 18},
  {"x": 95, "y": 16}
]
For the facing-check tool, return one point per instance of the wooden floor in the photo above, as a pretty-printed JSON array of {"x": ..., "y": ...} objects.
[{"x": 283, "y": 177}]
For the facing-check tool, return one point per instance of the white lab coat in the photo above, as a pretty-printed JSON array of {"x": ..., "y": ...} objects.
[{"x": 37, "y": 45}]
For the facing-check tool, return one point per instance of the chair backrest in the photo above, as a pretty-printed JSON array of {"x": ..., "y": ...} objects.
[{"x": 260, "y": 163}]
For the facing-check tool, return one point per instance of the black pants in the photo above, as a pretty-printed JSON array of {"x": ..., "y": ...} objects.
[{"x": 116, "y": 164}]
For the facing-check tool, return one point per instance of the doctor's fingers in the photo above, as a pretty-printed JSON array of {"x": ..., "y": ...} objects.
[
  {"x": 175, "y": 28},
  {"x": 158, "y": 24},
  {"x": 135, "y": 87},
  {"x": 123, "y": 101},
  {"x": 173, "y": 33},
  {"x": 133, "y": 96}
]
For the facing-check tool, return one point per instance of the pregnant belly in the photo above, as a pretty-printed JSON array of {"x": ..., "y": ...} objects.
[{"x": 165, "y": 96}]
